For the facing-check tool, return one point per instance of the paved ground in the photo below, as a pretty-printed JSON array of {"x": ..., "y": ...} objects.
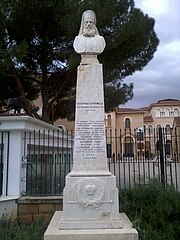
[{"x": 128, "y": 173}]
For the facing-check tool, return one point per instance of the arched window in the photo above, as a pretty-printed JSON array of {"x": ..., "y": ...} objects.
[
  {"x": 140, "y": 135},
  {"x": 157, "y": 145},
  {"x": 168, "y": 147},
  {"x": 168, "y": 129},
  {"x": 157, "y": 128},
  {"x": 128, "y": 147},
  {"x": 149, "y": 130},
  {"x": 109, "y": 120},
  {"x": 167, "y": 112},
  {"x": 127, "y": 123},
  {"x": 176, "y": 112},
  {"x": 158, "y": 113},
  {"x": 61, "y": 127}
]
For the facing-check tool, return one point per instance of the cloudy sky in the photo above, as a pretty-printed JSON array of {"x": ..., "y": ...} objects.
[{"x": 160, "y": 79}]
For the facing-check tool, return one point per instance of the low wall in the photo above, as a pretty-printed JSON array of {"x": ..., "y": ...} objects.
[
  {"x": 8, "y": 207},
  {"x": 30, "y": 209}
]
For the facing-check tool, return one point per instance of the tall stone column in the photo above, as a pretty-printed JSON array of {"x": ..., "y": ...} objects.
[
  {"x": 90, "y": 196},
  {"x": 90, "y": 143}
]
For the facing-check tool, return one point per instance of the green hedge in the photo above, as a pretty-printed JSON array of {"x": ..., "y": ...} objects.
[
  {"x": 154, "y": 211},
  {"x": 11, "y": 230}
]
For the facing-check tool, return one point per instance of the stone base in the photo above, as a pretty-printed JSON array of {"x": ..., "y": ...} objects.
[
  {"x": 126, "y": 233},
  {"x": 90, "y": 203}
]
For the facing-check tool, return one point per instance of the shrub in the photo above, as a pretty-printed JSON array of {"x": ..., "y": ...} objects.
[
  {"x": 12, "y": 230},
  {"x": 154, "y": 211}
]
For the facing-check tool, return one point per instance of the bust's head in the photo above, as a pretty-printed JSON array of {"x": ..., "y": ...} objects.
[
  {"x": 88, "y": 24},
  {"x": 89, "y": 29},
  {"x": 89, "y": 42}
]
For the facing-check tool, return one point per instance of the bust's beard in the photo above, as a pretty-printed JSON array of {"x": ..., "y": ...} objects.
[{"x": 89, "y": 32}]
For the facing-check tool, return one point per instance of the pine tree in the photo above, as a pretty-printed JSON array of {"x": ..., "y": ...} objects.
[{"x": 37, "y": 56}]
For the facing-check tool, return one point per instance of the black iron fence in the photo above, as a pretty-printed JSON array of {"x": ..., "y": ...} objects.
[
  {"x": 47, "y": 159},
  {"x": 138, "y": 156},
  {"x": 134, "y": 157}
]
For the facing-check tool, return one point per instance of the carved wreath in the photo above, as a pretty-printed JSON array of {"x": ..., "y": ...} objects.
[{"x": 91, "y": 203}]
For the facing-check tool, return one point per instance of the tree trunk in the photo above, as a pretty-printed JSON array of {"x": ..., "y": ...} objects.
[
  {"x": 26, "y": 105},
  {"x": 45, "y": 97}
]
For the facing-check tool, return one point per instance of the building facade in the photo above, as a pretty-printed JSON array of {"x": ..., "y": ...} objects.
[{"x": 135, "y": 132}]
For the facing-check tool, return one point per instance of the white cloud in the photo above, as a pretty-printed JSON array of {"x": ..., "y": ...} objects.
[
  {"x": 155, "y": 7},
  {"x": 174, "y": 46},
  {"x": 161, "y": 77}
]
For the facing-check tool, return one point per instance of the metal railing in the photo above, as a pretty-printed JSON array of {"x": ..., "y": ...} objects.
[
  {"x": 134, "y": 157},
  {"x": 47, "y": 159},
  {"x": 138, "y": 156}
]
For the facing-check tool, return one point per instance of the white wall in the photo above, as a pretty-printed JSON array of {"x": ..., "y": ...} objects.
[{"x": 16, "y": 125}]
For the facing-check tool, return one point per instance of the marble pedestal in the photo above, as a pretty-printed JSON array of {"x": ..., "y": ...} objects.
[
  {"x": 125, "y": 233},
  {"x": 90, "y": 203}
]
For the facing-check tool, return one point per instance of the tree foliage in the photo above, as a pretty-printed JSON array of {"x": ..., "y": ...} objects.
[{"x": 37, "y": 56}]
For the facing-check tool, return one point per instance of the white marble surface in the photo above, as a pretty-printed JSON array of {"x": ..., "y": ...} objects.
[
  {"x": 90, "y": 203},
  {"x": 88, "y": 40},
  {"x": 126, "y": 233},
  {"x": 89, "y": 45},
  {"x": 90, "y": 197},
  {"x": 90, "y": 143}
]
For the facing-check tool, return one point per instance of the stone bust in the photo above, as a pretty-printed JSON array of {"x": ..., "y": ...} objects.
[{"x": 88, "y": 41}]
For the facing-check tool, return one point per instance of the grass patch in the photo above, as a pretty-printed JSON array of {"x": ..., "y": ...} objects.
[
  {"x": 154, "y": 211},
  {"x": 12, "y": 230}
]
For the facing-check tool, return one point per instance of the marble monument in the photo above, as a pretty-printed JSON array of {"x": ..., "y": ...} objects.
[{"x": 90, "y": 197}]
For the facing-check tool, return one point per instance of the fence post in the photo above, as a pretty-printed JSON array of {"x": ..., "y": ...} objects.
[{"x": 161, "y": 155}]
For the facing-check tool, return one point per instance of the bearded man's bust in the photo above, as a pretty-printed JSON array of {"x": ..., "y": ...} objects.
[{"x": 89, "y": 41}]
